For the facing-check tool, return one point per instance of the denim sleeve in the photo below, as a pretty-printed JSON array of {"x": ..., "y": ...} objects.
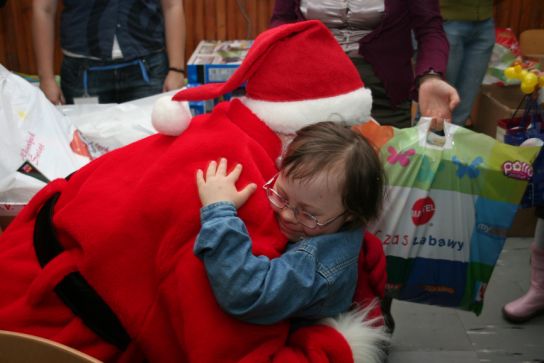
[{"x": 252, "y": 288}]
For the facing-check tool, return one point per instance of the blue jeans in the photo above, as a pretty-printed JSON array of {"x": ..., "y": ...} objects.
[
  {"x": 117, "y": 85},
  {"x": 471, "y": 44}
]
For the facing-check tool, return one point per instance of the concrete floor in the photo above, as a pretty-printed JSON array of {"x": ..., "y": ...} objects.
[{"x": 426, "y": 334}]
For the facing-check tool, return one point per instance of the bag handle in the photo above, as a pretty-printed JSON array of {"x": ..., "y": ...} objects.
[
  {"x": 431, "y": 139},
  {"x": 521, "y": 102},
  {"x": 532, "y": 113},
  {"x": 536, "y": 116}
]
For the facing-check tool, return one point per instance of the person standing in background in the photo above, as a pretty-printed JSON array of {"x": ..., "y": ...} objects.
[
  {"x": 470, "y": 29},
  {"x": 114, "y": 51},
  {"x": 531, "y": 304},
  {"x": 376, "y": 34}
]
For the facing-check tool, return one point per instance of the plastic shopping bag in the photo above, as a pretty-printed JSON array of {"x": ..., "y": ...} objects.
[
  {"x": 450, "y": 203},
  {"x": 37, "y": 142},
  {"x": 107, "y": 127},
  {"x": 506, "y": 52}
]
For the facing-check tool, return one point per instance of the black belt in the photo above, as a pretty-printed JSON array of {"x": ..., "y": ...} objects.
[{"x": 73, "y": 290}]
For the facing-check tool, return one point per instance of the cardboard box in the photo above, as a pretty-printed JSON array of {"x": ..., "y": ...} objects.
[
  {"x": 524, "y": 224},
  {"x": 496, "y": 103},
  {"x": 215, "y": 61},
  {"x": 205, "y": 106}
]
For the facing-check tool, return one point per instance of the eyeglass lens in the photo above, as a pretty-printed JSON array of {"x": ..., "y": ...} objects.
[{"x": 303, "y": 218}]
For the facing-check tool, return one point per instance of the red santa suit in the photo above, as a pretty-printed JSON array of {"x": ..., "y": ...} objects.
[{"x": 103, "y": 262}]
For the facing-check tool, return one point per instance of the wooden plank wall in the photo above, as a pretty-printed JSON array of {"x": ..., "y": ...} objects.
[
  {"x": 519, "y": 15},
  {"x": 15, "y": 36},
  {"x": 225, "y": 19},
  {"x": 16, "y": 51},
  {"x": 214, "y": 19}
]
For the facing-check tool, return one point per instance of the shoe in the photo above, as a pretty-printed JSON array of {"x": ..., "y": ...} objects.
[{"x": 532, "y": 303}]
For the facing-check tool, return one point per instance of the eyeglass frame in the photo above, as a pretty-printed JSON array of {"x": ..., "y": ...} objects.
[{"x": 270, "y": 190}]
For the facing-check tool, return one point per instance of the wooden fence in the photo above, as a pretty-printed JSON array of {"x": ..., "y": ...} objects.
[{"x": 214, "y": 19}]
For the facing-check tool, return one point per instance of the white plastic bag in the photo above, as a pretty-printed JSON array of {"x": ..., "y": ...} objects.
[
  {"x": 37, "y": 142},
  {"x": 105, "y": 127},
  {"x": 111, "y": 126}
]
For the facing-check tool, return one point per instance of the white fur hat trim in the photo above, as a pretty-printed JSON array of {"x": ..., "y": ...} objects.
[{"x": 288, "y": 117}]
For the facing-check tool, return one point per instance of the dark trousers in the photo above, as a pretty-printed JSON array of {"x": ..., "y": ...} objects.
[
  {"x": 383, "y": 110},
  {"x": 114, "y": 85}
]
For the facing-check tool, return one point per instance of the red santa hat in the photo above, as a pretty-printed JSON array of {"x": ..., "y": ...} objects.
[{"x": 296, "y": 75}]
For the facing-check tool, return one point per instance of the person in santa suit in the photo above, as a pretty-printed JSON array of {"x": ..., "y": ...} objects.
[{"x": 103, "y": 261}]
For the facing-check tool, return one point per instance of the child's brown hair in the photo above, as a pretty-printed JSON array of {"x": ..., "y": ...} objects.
[{"x": 335, "y": 147}]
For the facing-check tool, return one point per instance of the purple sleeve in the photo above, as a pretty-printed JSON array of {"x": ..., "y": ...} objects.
[
  {"x": 432, "y": 44},
  {"x": 285, "y": 11}
]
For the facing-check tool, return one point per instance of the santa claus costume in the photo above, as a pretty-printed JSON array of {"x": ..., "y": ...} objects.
[{"x": 102, "y": 261}]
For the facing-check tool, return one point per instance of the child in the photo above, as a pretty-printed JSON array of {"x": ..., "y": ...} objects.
[{"x": 330, "y": 186}]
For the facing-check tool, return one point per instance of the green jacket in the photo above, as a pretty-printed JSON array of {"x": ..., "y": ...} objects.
[{"x": 467, "y": 10}]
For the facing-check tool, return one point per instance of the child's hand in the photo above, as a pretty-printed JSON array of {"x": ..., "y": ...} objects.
[{"x": 220, "y": 186}]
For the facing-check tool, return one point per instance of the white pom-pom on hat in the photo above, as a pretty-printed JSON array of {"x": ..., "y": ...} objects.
[{"x": 170, "y": 117}]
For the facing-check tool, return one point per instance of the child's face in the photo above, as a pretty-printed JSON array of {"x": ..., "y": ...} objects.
[{"x": 320, "y": 198}]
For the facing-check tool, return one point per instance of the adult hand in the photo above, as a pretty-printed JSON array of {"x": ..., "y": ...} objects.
[
  {"x": 437, "y": 99},
  {"x": 218, "y": 186},
  {"x": 52, "y": 91},
  {"x": 173, "y": 80}
]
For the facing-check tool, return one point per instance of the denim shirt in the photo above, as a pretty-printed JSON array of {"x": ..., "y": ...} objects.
[
  {"x": 312, "y": 279},
  {"x": 88, "y": 27}
]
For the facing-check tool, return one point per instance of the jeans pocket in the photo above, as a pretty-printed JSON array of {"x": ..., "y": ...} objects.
[
  {"x": 71, "y": 77},
  {"x": 157, "y": 67}
]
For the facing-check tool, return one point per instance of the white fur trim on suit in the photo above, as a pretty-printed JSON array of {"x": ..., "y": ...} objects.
[
  {"x": 288, "y": 117},
  {"x": 367, "y": 341}
]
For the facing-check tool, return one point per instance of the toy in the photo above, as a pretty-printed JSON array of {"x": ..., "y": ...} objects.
[{"x": 531, "y": 79}]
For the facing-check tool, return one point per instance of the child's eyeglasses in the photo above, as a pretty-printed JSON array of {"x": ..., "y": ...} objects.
[{"x": 304, "y": 218}]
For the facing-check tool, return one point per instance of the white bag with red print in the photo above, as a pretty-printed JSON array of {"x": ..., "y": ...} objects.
[{"x": 37, "y": 142}]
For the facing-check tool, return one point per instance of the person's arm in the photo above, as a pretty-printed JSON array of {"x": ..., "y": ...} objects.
[
  {"x": 436, "y": 97},
  {"x": 252, "y": 288},
  {"x": 43, "y": 36},
  {"x": 284, "y": 12},
  {"x": 174, "y": 29}
]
